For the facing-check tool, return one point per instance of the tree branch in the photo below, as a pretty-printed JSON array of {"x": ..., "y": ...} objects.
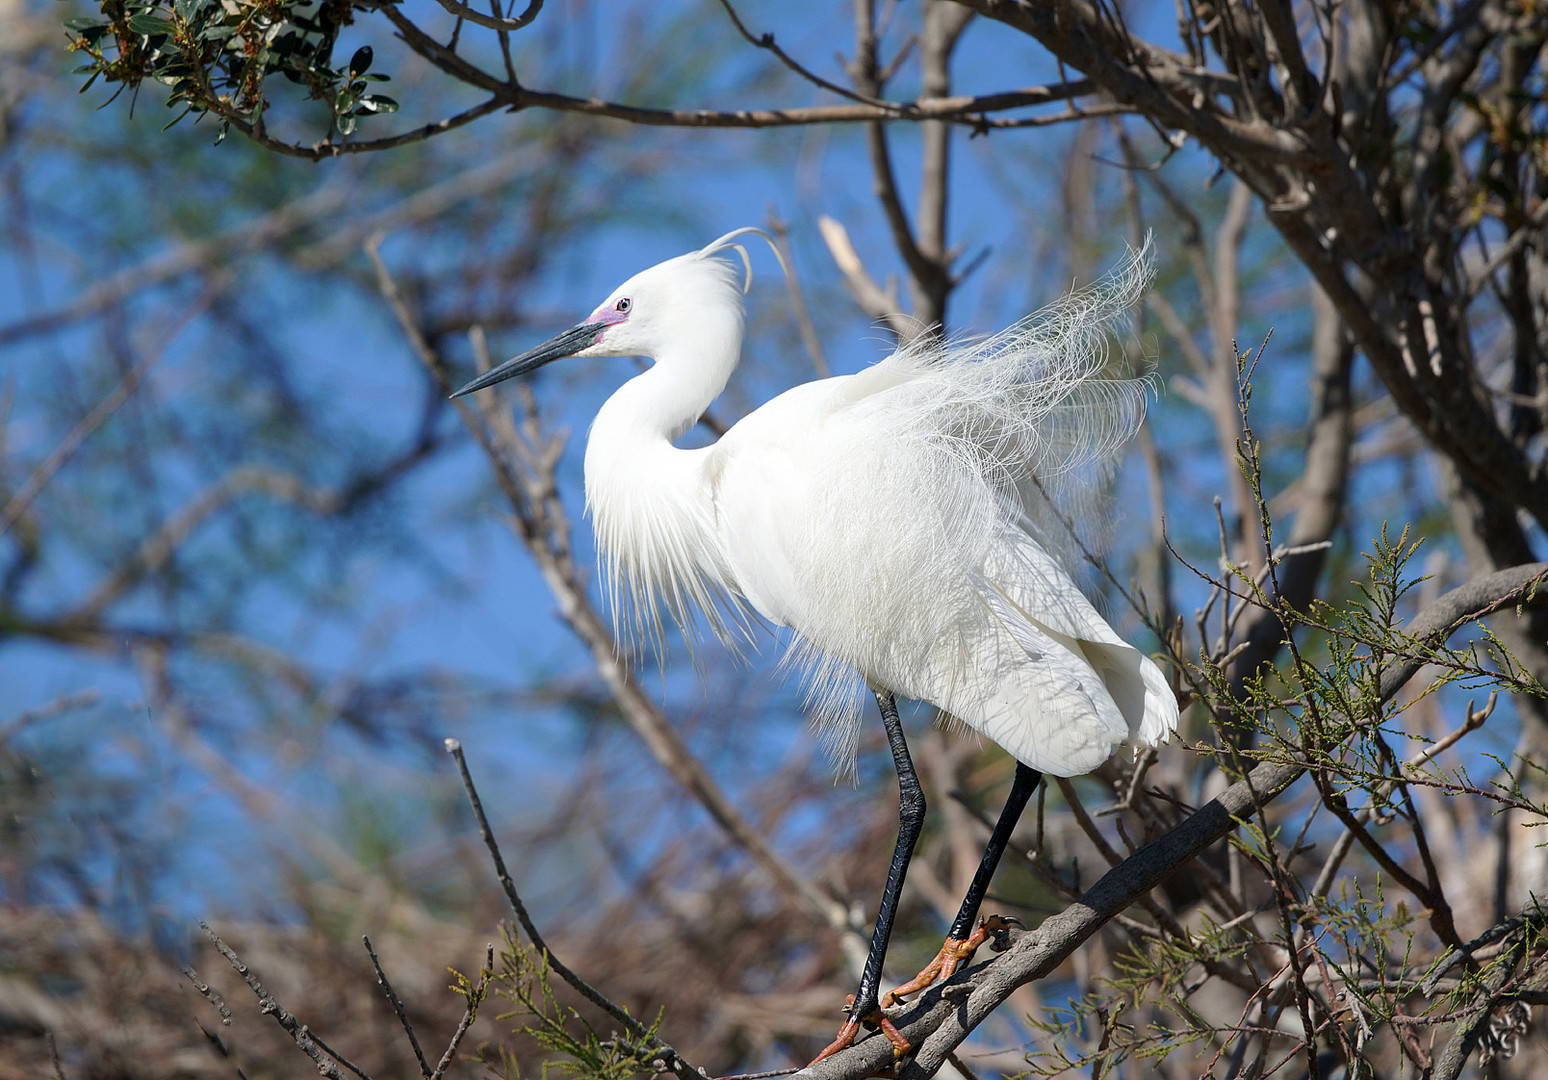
[
  {"x": 880, "y": 305},
  {"x": 944, "y": 1017},
  {"x": 493, "y": 22}
]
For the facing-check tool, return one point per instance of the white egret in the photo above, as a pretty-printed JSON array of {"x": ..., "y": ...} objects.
[{"x": 903, "y": 522}]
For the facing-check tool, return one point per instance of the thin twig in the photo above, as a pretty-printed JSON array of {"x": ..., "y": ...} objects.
[
  {"x": 340, "y": 1058},
  {"x": 581, "y": 986},
  {"x": 53, "y": 1057},
  {"x": 1473, "y": 721},
  {"x": 267, "y": 1003},
  {"x": 209, "y": 993},
  {"x": 674, "y": 1061},
  {"x": 471, "y": 1011},
  {"x": 325, "y": 149},
  {"x": 766, "y": 41},
  {"x": 493, "y": 22},
  {"x": 961, "y": 1066},
  {"x": 397, "y": 1007}
]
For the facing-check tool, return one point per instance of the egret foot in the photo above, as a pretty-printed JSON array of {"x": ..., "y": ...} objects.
[
  {"x": 954, "y": 953},
  {"x": 872, "y": 1018}
]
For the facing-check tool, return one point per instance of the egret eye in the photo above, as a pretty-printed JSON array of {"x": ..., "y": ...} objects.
[{"x": 623, "y": 306}]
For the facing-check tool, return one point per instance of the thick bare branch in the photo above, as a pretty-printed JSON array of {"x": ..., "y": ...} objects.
[
  {"x": 1406, "y": 322},
  {"x": 944, "y": 24}
]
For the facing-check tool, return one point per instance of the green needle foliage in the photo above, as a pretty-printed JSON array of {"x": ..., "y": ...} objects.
[
  {"x": 575, "y": 1047},
  {"x": 1313, "y": 929}
]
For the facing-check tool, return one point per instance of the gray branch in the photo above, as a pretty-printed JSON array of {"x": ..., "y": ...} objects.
[{"x": 945, "y": 1016}]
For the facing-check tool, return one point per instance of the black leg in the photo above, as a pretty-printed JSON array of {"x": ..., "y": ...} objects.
[
  {"x": 1027, "y": 779},
  {"x": 964, "y": 938},
  {"x": 911, "y": 812}
]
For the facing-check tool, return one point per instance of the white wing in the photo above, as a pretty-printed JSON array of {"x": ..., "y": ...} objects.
[{"x": 890, "y": 520}]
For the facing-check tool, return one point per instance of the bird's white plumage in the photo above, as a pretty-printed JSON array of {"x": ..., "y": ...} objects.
[{"x": 888, "y": 518}]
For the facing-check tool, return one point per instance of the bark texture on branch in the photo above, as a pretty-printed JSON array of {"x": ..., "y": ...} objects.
[
  {"x": 946, "y": 1015},
  {"x": 1379, "y": 218}
]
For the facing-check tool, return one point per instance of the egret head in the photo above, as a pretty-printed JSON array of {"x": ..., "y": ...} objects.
[{"x": 694, "y": 297}]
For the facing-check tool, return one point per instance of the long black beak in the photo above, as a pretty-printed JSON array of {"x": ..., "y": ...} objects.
[{"x": 568, "y": 343}]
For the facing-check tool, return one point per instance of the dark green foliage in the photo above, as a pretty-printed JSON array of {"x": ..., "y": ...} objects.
[{"x": 218, "y": 57}]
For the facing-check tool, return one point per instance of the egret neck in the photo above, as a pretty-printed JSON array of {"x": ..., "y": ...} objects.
[{"x": 650, "y": 502}]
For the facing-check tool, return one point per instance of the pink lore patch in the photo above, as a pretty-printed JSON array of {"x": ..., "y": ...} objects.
[{"x": 608, "y": 314}]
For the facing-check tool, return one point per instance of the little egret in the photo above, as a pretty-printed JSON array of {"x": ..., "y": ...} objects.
[{"x": 906, "y": 523}]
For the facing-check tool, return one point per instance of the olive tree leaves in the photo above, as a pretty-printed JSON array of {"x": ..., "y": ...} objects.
[{"x": 217, "y": 56}]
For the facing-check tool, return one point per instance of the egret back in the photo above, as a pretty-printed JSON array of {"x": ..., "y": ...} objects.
[
  {"x": 1040, "y": 411},
  {"x": 908, "y": 524}
]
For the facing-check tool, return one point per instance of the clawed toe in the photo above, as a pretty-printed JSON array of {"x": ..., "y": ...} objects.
[
  {"x": 999, "y": 927},
  {"x": 953, "y": 954},
  {"x": 873, "y": 1018},
  {"x": 956, "y": 952}
]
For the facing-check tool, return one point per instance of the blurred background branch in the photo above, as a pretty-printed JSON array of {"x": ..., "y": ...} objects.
[{"x": 253, "y": 567}]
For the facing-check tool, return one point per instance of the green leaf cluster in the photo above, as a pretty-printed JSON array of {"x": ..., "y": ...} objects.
[{"x": 217, "y": 56}]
